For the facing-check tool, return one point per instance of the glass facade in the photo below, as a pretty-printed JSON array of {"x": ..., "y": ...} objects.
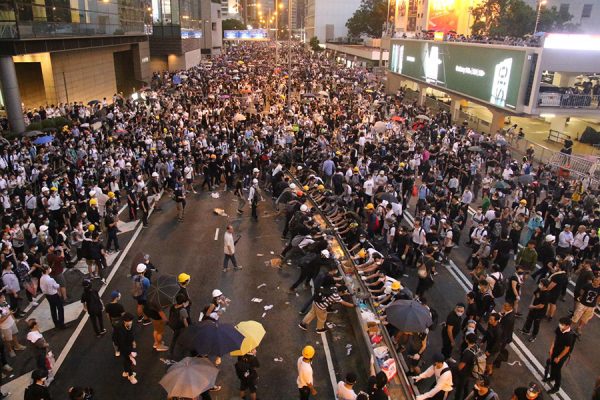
[
  {"x": 23, "y": 19},
  {"x": 177, "y": 18}
]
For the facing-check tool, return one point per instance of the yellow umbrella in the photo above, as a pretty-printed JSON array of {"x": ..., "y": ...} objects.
[{"x": 253, "y": 334}]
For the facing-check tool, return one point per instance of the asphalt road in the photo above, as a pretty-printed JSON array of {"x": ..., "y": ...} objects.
[{"x": 191, "y": 247}]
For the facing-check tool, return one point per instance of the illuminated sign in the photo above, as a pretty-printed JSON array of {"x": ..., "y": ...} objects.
[
  {"x": 251, "y": 34},
  {"x": 564, "y": 41},
  {"x": 438, "y": 36},
  {"x": 491, "y": 75}
]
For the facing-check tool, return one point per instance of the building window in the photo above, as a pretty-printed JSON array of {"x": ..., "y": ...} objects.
[
  {"x": 564, "y": 9},
  {"x": 587, "y": 11},
  {"x": 219, "y": 14},
  {"x": 214, "y": 26}
]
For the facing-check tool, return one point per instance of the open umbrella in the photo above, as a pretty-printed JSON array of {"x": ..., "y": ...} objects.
[
  {"x": 33, "y": 133},
  {"x": 408, "y": 316},
  {"x": 239, "y": 117},
  {"x": 253, "y": 334},
  {"x": 477, "y": 149},
  {"x": 93, "y": 102},
  {"x": 323, "y": 93},
  {"x": 308, "y": 95},
  {"x": 86, "y": 125},
  {"x": 189, "y": 377},
  {"x": 43, "y": 139},
  {"x": 162, "y": 292},
  {"x": 397, "y": 118},
  {"x": 423, "y": 117},
  {"x": 380, "y": 126},
  {"x": 96, "y": 125},
  {"x": 211, "y": 338},
  {"x": 502, "y": 185}
]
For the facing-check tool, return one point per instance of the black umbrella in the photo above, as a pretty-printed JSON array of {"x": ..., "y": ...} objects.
[
  {"x": 33, "y": 133},
  {"x": 409, "y": 316},
  {"x": 93, "y": 102},
  {"x": 211, "y": 338},
  {"x": 502, "y": 185},
  {"x": 162, "y": 292},
  {"x": 389, "y": 197}
]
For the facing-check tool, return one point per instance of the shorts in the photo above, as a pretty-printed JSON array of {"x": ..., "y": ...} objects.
[
  {"x": 7, "y": 334},
  {"x": 582, "y": 313},
  {"x": 159, "y": 326},
  {"x": 60, "y": 279},
  {"x": 140, "y": 301},
  {"x": 248, "y": 385}
]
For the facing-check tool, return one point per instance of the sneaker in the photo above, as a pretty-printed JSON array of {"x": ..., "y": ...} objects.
[
  {"x": 34, "y": 304},
  {"x": 132, "y": 379},
  {"x": 302, "y": 326},
  {"x": 302, "y": 312},
  {"x": 7, "y": 368},
  {"x": 553, "y": 390},
  {"x": 146, "y": 322},
  {"x": 140, "y": 319},
  {"x": 238, "y": 268},
  {"x": 532, "y": 339},
  {"x": 322, "y": 330},
  {"x": 102, "y": 332},
  {"x": 117, "y": 353},
  {"x": 12, "y": 354},
  {"x": 161, "y": 348},
  {"x": 215, "y": 388}
]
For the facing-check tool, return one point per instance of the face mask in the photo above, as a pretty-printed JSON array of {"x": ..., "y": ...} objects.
[
  {"x": 460, "y": 313},
  {"x": 362, "y": 240}
]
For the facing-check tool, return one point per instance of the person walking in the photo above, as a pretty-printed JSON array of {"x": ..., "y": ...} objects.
[
  {"x": 38, "y": 389},
  {"x": 560, "y": 351},
  {"x": 537, "y": 310},
  {"x": 587, "y": 299},
  {"x": 139, "y": 291},
  {"x": 452, "y": 329},
  {"x": 345, "y": 390},
  {"x": 254, "y": 197},
  {"x": 179, "y": 197},
  {"x": 50, "y": 288},
  {"x": 111, "y": 220},
  {"x": 115, "y": 312},
  {"x": 443, "y": 379},
  {"x": 305, "y": 380},
  {"x": 38, "y": 343},
  {"x": 179, "y": 318},
  {"x": 325, "y": 296},
  {"x": 93, "y": 306},
  {"x": 482, "y": 390},
  {"x": 507, "y": 327},
  {"x": 126, "y": 344},
  {"x": 229, "y": 250},
  {"x": 245, "y": 369},
  {"x": 464, "y": 368}
]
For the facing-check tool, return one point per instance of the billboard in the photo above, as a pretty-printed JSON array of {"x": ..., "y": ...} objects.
[
  {"x": 251, "y": 34},
  {"x": 488, "y": 74}
]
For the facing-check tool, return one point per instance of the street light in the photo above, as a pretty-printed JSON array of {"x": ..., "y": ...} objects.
[{"x": 539, "y": 11}]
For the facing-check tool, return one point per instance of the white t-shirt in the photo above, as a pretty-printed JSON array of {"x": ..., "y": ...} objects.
[
  {"x": 305, "y": 373},
  {"x": 8, "y": 322},
  {"x": 343, "y": 393},
  {"x": 368, "y": 186}
]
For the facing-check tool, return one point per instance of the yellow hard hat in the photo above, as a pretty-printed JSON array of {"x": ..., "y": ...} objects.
[
  {"x": 183, "y": 278},
  {"x": 308, "y": 352},
  {"x": 91, "y": 227},
  {"x": 523, "y": 201},
  {"x": 321, "y": 187},
  {"x": 111, "y": 195},
  {"x": 396, "y": 285},
  {"x": 305, "y": 187},
  {"x": 54, "y": 188},
  {"x": 362, "y": 253},
  {"x": 338, "y": 152},
  {"x": 355, "y": 169},
  {"x": 402, "y": 165},
  {"x": 213, "y": 156},
  {"x": 93, "y": 202},
  {"x": 370, "y": 206}
]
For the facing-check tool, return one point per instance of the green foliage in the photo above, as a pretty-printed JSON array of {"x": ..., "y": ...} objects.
[
  {"x": 57, "y": 123},
  {"x": 314, "y": 44},
  {"x": 34, "y": 126},
  {"x": 516, "y": 18},
  {"x": 233, "y": 24},
  {"x": 368, "y": 19}
]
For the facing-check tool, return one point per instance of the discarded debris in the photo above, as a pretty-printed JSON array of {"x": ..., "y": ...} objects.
[
  {"x": 220, "y": 212},
  {"x": 264, "y": 315},
  {"x": 348, "y": 349},
  {"x": 272, "y": 252},
  {"x": 256, "y": 300},
  {"x": 261, "y": 285},
  {"x": 278, "y": 359},
  {"x": 267, "y": 308},
  {"x": 259, "y": 254},
  {"x": 215, "y": 195},
  {"x": 274, "y": 262}
]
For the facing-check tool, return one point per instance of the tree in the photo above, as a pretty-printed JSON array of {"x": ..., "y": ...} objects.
[
  {"x": 368, "y": 19},
  {"x": 314, "y": 44},
  {"x": 233, "y": 24},
  {"x": 515, "y": 18}
]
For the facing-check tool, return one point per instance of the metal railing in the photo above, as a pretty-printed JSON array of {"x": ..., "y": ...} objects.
[
  {"x": 557, "y": 136},
  {"x": 564, "y": 100}
]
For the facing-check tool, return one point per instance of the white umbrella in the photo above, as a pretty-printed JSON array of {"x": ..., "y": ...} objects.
[
  {"x": 96, "y": 125},
  {"x": 323, "y": 93},
  {"x": 425, "y": 117},
  {"x": 380, "y": 126},
  {"x": 239, "y": 117}
]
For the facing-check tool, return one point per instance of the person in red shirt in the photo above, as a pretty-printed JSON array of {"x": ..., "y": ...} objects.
[{"x": 55, "y": 259}]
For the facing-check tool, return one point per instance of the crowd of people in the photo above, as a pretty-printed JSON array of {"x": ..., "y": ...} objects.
[{"x": 366, "y": 157}]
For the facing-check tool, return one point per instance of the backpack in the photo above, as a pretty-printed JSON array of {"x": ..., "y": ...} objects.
[
  {"x": 479, "y": 362},
  {"x": 175, "y": 321},
  {"x": 499, "y": 287},
  {"x": 27, "y": 233},
  {"x": 137, "y": 289}
]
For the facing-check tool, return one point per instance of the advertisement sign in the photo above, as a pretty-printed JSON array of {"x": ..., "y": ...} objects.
[
  {"x": 488, "y": 74},
  {"x": 443, "y": 15},
  {"x": 251, "y": 34}
]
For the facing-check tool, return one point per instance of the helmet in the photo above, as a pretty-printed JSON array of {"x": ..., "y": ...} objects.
[
  {"x": 213, "y": 156},
  {"x": 255, "y": 181},
  {"x": 321, "y": 187},
  {"x": 402, "y": 165},
  {"x": 523, "y": 202},
  {"x": 54, "y": 188},
  {"x": 292, "y": 186},
  {"x": 396, "y": 285},
  {"x": 308, "y": 352},
  {"x": 91, "y": 227},
  {"x": 370, "y": 206},
  {"x": 305, "y": 188},
  {"x": 299, "y": 168},
  {"x": 362, "y": 253},
  {"x": 255, "y": 170},
  {"x": 111, "y": 195},
  {"x": 141, "y": 268},
  {"x": 217, "y": 293},
  {"x": 355, "y": 169},
  {"x": 93, "y": 202},
  {"x": 155, "y": 174},
  {"x": 299, "y": 193},
  {"x": 550, "y": 238},
  {"x": 183, "y": 278},
  {"x": 325, "y": 253},
  {"x": 92, "y": 193},
  {"x": 86, "y": 283},
  {"x": 304, "y": 208}
]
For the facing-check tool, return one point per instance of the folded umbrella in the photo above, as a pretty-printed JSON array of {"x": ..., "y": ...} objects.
[
  {"x": 162, "y": 292},
  {"x": 211, "y": 338},
  {"x": 253, "y": 333},
  {"x": 189, "y": 377},
  {"x": 408, "y": 316}
]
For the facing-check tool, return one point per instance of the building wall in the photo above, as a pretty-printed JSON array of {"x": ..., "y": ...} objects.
[
  {"x": 589, "y": 24},
  {"x": 321, "y": 13},
  {"x": 31, "y": 83},
  {"x": 158, "y": 63},
  {"x": 47, "y": 76}
]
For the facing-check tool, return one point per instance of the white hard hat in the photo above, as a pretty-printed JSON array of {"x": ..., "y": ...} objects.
[
  {"x": 292, "y": 186},
  {"x": 255, "y": 170},
  {"x": 254, "y": 180},
  {"x": 550, "y": 238},
  {"x": 299, "y": 168},
  {"x": 92, "y": 193},
  {"x": 216, "y": 293},
  {"x": 304, "y": 208},
  {"x": 155, "y": 174},
  {"x": 141, "y": 268},
  {"x": 325, "y": 253}
]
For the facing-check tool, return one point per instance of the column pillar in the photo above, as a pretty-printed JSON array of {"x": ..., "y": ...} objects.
[
  {"x": 11, "y": 94},
  {"x": 422, "y": 95},
  {"x": 455, "y": 109},
  {"x": 497, "y": 121}
]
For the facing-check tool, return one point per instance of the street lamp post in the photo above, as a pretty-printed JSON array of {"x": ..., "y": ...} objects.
[
  {"x": 289, "y": 91},
  {"x": 537, "y": 18},
  {"x": 276, "y": 33}
]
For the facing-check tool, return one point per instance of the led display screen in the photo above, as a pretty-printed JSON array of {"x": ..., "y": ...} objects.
[
  {"x": 488, "y": 74},
  {"x": 252, "y": 34}
]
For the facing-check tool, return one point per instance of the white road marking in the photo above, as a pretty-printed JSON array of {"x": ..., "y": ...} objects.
[
  {"x": 329, "y": 362},
  {"x": 217, "y": 234}
]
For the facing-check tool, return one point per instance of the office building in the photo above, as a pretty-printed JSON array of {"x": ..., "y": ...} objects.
[
  {"x": 183, "y": 32},
  {"x": 57, "y": 51},
  {"x": 231, "y": 9},
  {"x": 326, "y": 19}
]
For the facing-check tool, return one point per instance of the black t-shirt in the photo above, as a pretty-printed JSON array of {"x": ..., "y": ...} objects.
[
  {"x": 521, "y": 394},
  {"x": 504, "y": 247},
  {"x": 540, "y": 297},
  {"x": 563, "y": 340},
  {"x": 114, "y": 310},
  {"x": 589, "y": 295},
  {"x": 454, "y": 321},
  {"x": 374, "y": 392},
  {"x": 467, "y": 357},
  {"x": 37, "y": 392},
  {"x": 151, "y": 313}
]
